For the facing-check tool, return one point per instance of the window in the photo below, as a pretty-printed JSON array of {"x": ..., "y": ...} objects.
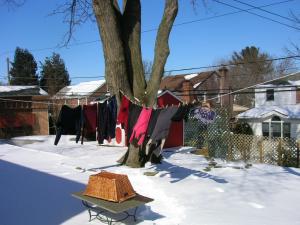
[
  {"x": 270, "y": 95},
  {"x": 287, "y": 130},
  {"x": 298, "y": 95},
  {"x": 265, "y": 129},
  {"x": 276, "y": 128}
]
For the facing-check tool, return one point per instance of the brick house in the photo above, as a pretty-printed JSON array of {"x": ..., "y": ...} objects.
[
  {"x": 201, "y": 86},
  {"x": 23, "y": 111}
]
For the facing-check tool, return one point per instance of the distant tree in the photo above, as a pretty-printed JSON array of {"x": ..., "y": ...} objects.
[
  {"x": 54, "y": 74},
  {"x": 147, "y": 68},
  {"x": 24, "y": 68},
  {"x": 250, "y": 66}
]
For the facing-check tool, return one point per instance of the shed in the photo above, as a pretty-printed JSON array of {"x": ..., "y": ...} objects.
[
  {"x": 176, "y": 133},
  {"x": 23, "y": 111}
]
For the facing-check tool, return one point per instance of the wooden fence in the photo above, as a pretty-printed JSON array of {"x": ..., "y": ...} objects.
[
  {"x": 276, "y": 151},
  {"x": 220, "y": 142}
]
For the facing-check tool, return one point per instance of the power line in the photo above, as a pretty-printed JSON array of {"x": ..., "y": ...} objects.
[
  {"x": 203, "y": 67},
  {"x": 264, "y": 17},
  {"x": 265, "y": 82},
  {"x": 259, "y": 8},
  {"x": 155, "y": 29},
  {"x": 219, "y": 96}
]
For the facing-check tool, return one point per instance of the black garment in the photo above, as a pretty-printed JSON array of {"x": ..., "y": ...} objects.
[
  {"x": 133, "y": 115},
  {"x": 69, "y": 122},
  {"x": 112, "y": 117},
  {"x": 107, "y": 119},
  {"x": 182, "y": 113},
  {"x": 163, "y": 123},
  {"x": 102, "y": 122},
  {"x": 154, "y": 115}
]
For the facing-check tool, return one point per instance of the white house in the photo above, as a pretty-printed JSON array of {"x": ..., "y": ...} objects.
[{"x": 277, "y": 110}]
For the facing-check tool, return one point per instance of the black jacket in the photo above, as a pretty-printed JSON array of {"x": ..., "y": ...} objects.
[{"x": 69, "y": 122}]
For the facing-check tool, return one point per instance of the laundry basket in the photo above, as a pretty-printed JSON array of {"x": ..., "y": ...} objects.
[{"x": 109, "y": 186}]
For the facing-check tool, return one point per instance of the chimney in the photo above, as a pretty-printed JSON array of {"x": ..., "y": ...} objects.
[
  {"x": 226, "y": 101},
  {"x": 187, "y": 91}
]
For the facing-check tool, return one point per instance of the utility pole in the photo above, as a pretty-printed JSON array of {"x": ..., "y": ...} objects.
[{"x": 8, "y": 76}]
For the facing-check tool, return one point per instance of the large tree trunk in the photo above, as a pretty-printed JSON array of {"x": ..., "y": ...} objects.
[{"x": 121, "y": 38}]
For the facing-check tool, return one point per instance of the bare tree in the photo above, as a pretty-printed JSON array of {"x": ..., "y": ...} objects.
[{"x": 120, "y": 32}]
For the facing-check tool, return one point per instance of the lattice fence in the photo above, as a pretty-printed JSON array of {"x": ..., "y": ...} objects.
[{"x": 220, "y": 142}]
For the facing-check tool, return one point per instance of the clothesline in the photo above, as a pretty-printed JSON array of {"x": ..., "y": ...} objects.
[{"x": 137, "y": 102}]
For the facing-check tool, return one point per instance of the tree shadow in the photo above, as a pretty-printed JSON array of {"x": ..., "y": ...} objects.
[
  {"x": 32, "y": 197},
  {"x": 291, "y": 171},
  {"x": 178, "y": 173}
]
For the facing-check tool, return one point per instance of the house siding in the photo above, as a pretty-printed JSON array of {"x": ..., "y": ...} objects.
[{"x": 287, "y": 96}]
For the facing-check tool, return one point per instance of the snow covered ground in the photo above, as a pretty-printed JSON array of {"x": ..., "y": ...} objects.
[{"x": 37, "y": 179}]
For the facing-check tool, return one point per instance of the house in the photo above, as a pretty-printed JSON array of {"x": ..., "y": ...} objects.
[
  {"x": 23, "y": 111},
  {"x": 277, "y": 110},
  {"x": 209, "y": 86},
  {"x": 82, "y": 93}
]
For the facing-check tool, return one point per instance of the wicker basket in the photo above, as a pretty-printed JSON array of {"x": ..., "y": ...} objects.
[{"x": 109, "y": 186}]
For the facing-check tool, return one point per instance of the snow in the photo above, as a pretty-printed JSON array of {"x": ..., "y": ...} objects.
[
  {"x": 19, "y": 88},
  {"x": 190, "y": 76},
  {"x": 288, "y": 111},
  {"x": 37, "y": 179},
  {"x": 196, "y": 85},
  {"x": 296, "y": 83},
  {"x": 81, "y": 89}
]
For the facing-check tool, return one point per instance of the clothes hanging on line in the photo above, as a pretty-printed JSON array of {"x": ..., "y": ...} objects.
[
  {"x": 102, "y": 122},
  {"x": 112, "y": 117},
  {"x": 134, "y": 112},
  {"x": 162, "y": 126},
  {"x": 123, "y": 112},
  {"x": 140, "y": 128},
  {"x": 69, "y": 122},
  {"x": 89, "y": 123},
  {"x": 182, "y": 113},
  {"x": 203, "y": 114},
  {"x": 161, "y": 129},
  {"x": 107, "y": 120}
]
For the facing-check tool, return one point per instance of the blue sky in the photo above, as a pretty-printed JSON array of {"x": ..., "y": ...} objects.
[{"x": 196, "y": 44}]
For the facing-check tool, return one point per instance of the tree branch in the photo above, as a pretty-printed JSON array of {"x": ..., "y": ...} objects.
[
  {"x": 110, "y": 31},
  {"x": 76, "y": 12},
  {"x": 161, "y": 49},
  {"x": 131, "y": 27}
]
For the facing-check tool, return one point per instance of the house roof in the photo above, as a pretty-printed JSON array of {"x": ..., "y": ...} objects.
[
  {"x": 17, "y": 90},
  {"x": 288, "y": 111},
  {"x": 162, "y": 93},
  {"x": 239, "y": 108},
  {"x": 174, "y": 83},
  {"x": 80, "y": 90},
  {"x": 292, "y": 79}
]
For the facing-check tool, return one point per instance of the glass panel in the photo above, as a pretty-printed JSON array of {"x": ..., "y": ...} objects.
[
  {"x": 276, "y": 118},
  {"x": 276, "y": 129},
  {"x": 265, "y": 129},
  {"x": 287, "y": 130},
  {"x": 270, "y": 94}
]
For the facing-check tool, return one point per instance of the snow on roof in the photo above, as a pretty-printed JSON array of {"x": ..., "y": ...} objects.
[
  {"x": 84, "y": 88},
  {"x": 295, "y": 82},
  {"x": 288, "y": 111},
  {"x": 17, "y": 89},
  {"x": 14, "y": 88},
  {"x": 190, "y": 76},
  {"x": 196, "y": 85}
]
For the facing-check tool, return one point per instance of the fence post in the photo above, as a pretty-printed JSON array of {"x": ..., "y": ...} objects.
[
  {"x": 298, "y": 154},
  {"x": 279, "y": 162},
  {"x": 260, "y": 146},
  {"x": 230, "y": 147}
]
